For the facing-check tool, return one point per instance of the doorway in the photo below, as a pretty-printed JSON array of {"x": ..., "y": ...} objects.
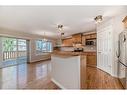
[
  {"x": 104, "y": 48},
  {"x": 14, "y": 51}
]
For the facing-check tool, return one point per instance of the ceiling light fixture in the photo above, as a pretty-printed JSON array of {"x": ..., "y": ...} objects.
[
  {"x": 60, "y": 27},
  {"x": 98, "y": 19},
  {"x": 44, "y": 39}
]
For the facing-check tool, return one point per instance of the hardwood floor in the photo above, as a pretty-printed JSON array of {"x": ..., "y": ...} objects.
[
  {"x": 37, "y": 76},
  {"x": 27, "y": 76},
  {"x": 98, "y": 79}
]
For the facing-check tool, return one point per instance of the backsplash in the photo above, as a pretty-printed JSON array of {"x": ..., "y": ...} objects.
[
  {"x": 67, "y": 48},
  {"x": 86, "y": 48},
  {"x": 90, "y": 48}
]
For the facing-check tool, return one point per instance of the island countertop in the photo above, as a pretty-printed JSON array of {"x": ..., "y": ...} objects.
[{"x": 71, "y": 53}]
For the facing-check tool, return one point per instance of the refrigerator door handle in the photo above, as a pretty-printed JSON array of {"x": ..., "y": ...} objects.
[
  {"x": 124, "y": 38},
  {"x": 118, "y": 52}
]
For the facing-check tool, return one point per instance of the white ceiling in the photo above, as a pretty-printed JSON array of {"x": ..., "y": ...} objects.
[{"x": 37, "y": 19}]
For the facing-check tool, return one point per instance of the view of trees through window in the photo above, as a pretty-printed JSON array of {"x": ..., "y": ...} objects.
[
  {"x": 43, "y": 46},
  {"x": 12, "y": 44},
  {"x": 9, "y": 44}
]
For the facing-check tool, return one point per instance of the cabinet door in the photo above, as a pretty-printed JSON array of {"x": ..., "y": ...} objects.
[
  {"x": 91, "y": 60},
  {"x": 77, "y": 38},
  {"x": 70, "y": 42},
  {"x": 88, "y": 36},
  {"x": 64, "y": 42},
  {"x": 83, "y": 40},
  {"x": 93, "y": 36},
  {"x": 67, "y": 42}
]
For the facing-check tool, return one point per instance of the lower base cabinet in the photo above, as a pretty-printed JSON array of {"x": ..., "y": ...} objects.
[{"x": 91, "y": 60}]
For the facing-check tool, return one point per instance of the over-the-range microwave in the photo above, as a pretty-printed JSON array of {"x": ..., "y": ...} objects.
[{"x": 91, "y": 42}]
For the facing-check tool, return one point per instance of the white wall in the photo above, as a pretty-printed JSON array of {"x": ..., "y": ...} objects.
[
  {"x": 32, "y": 38},
  {"x": 33, "y": 56}
]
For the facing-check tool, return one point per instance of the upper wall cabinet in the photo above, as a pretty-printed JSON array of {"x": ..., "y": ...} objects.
[
  {"x": 93, "y": 36},
  {"x": 77, "y": 38},
  {"x": 67, "y": 42},
  {"x": 88, "y": 37},
  {"x": 125, "y": 21}
]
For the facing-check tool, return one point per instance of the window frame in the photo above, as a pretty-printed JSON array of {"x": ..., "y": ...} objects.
[{"x": 42, "y": 52}]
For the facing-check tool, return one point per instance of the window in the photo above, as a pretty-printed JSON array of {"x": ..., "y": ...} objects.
[
  {"x": 21, "y": 45},
  {"x": 13, "y": 44},
  {"x": 43, "y": 46},
  {"x": 9, "y": 44}
]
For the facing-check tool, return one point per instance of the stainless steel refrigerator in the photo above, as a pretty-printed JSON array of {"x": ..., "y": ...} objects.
[{"x": 122, "y": 58}]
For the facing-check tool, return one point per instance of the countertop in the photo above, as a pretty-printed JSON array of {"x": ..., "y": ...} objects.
[{"x": 70, "y": 53}]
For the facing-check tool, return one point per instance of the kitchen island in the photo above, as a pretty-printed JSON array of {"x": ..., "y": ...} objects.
[{"x": 69, "y": 70}]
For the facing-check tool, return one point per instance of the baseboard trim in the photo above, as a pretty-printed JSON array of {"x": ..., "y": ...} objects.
[
  {"x": 57, "y": 83},
  {"x": 103, "y": 71}
]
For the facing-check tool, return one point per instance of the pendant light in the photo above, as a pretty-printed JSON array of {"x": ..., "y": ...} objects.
[
  {"x": 60, "y": 28},
  {"x": 44, "y": 39}
]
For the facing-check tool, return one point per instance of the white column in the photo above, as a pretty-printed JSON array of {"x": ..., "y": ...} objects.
[
  {"x": 1, "y": 54},
  {"x": 28, "y": 50},
  {"x": 17, "y": 48}
]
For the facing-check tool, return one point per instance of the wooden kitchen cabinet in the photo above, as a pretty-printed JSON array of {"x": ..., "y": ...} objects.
[
  {"x": 88, "y": 37},
  {"x": 83, "y": 40},
  {"x": 125, "y": 21},
  {"x": 91, "y": 60},
  {"x": 77, "y": 38},
  {"x": 67, "y": 42},
  {"x": 93, "y": 36}
]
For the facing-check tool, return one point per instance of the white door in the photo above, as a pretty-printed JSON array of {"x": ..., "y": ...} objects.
[
  {"x": 104, "y": 49},
  {"x": 99, "y": 49}
]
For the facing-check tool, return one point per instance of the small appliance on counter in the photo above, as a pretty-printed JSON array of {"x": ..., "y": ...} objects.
[{"x": 78, "y": 47}]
